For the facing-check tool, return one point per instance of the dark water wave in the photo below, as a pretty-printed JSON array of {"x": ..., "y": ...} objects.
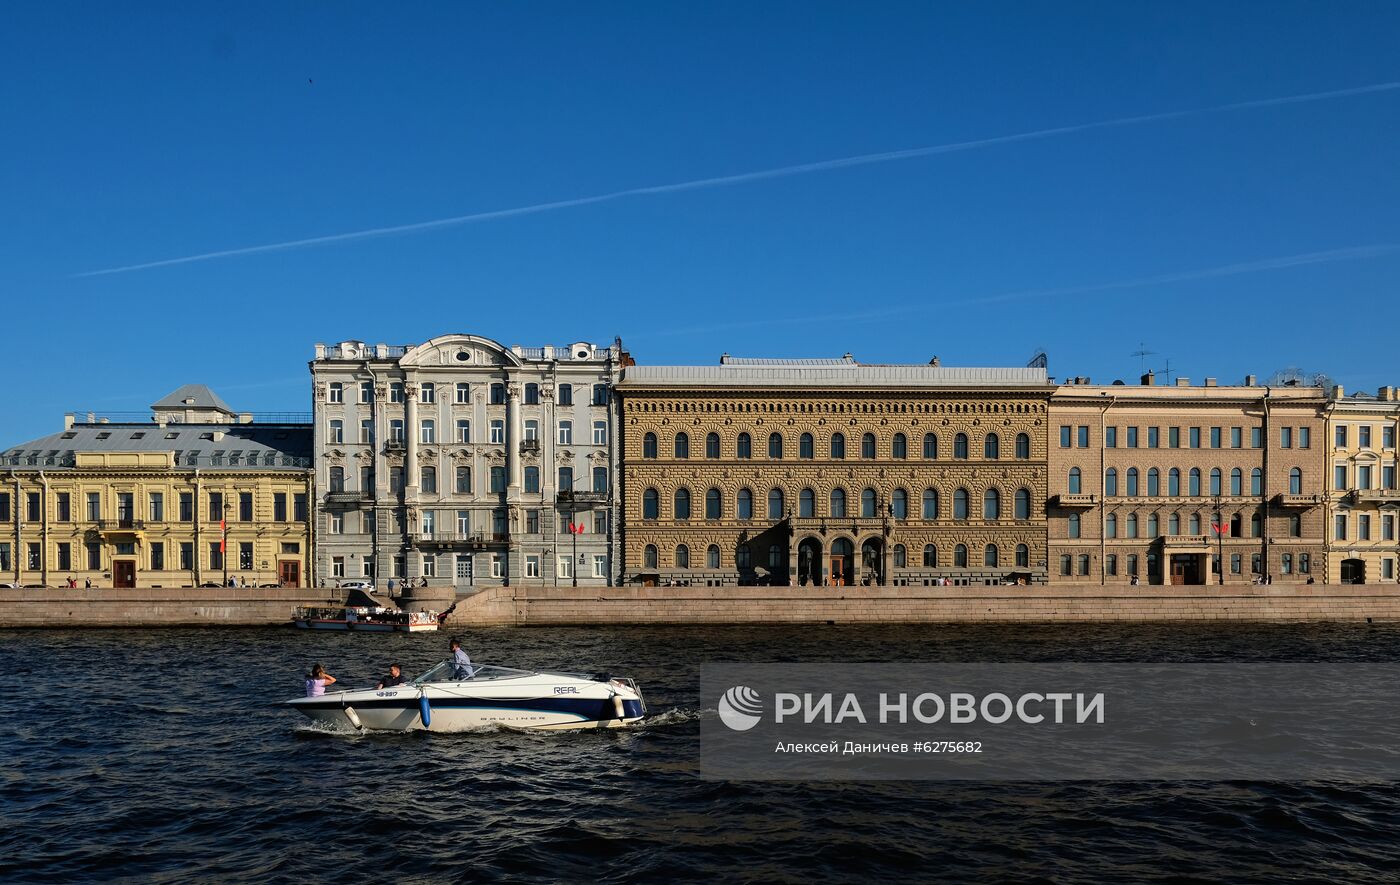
[{"x": 155, "y": 756}]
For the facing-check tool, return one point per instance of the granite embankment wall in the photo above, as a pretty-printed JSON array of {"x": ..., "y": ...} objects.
[
  {"x": 530, "y": 606},
  {"x": 151, "y": 607}
]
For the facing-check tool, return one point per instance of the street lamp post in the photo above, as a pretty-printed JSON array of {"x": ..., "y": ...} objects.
[
  {"x": 1219, "y": 527},
  {"x": 573, "y": 531},
  {"x": 223, "y": 541}
]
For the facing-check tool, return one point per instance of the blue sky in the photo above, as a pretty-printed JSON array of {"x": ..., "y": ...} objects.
[{"x": 139, "y": 133}]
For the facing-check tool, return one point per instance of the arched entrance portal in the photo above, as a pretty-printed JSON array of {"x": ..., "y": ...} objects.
[
  {"x": 872, "y": 561},
  {"x": 1353, "y": 571},
  {"x": 809, "y": 562},
  {"x": 843, "y": 563}
]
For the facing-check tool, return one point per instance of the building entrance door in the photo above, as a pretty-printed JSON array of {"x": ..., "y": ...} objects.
[
  {"x": 1186, "y": 568},
  {"x": 1353, "y": 571},
  {"x": 123, "y": 573},
  {"x": 838, "y": 571},
  {"x": 289, "y": 572},
  {"x": 463, "y": 574}
]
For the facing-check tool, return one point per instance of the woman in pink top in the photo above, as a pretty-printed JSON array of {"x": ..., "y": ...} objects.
[{"x": 318, "y": 680}]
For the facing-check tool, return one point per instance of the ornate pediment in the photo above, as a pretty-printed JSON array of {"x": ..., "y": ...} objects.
[{"x": 460, "y": 455}]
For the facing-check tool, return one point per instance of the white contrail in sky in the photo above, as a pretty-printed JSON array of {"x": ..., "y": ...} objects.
[{"x": 745, "y": 177}]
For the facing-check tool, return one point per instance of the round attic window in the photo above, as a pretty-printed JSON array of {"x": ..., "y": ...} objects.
[
  {"x": 583, "y": 354},
  {"x": 463, "y": 356}
]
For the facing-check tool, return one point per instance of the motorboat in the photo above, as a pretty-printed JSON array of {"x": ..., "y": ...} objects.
[
  {"x": 364, "y": 619},
  {"x": 446, "y": 699}
]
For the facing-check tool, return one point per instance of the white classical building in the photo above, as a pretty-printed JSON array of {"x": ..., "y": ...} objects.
[{"x": 465, "y": 462}]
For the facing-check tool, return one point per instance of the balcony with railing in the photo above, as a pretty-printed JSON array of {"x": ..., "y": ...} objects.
[
  {"x": 1292, "y": 500},
  {"x": 121, "y": 525},
  {"x": 575, "y": 497},
  {"x": 529, "y": 445},
  {"x": 1374, "y": 496},
  {"x": 349, "y": 496},
  {"x": 449, "y": 538},
  {"x": 1076, "y": 500}
]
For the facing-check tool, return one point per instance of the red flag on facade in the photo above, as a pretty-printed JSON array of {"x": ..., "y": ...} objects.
[{"x": 223, "y": 527}]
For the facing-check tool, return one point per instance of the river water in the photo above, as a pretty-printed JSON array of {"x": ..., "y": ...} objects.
[{"x": 154, "y": 756}]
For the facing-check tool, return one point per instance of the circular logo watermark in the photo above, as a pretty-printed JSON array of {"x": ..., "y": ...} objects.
[{"x": 740, "y": 708}]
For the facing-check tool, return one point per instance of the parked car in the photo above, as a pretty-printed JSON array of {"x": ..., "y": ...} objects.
[
  {"x": 211, "y": 584},
  {"x": 10, "y": 585},
  {"x": 356, "y": 585}
]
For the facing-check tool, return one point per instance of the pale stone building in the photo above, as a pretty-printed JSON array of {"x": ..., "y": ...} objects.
[
  {"x": 1363, "y": 503},
  {"x": 198, "y": 494},
  {"x": 1140, "y": 476},
  {"x": 465, "y": 462},
  {"x": 832, "y": 472}
]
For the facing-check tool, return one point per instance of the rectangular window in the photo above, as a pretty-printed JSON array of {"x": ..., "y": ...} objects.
[
  {"x": 1285, "y": 437},
  {"x": 1363, "y": 436},
  {"x": 186, "y": 556},
  {"x": 1388, "y": 477},
  {"x": 1388, "y": 436},
  {"x": 299, "y": 505},
  {"x": 1066, "y": 435},
  {"x": 157, "y": 556},
  {"x": 498, "y": 432},
  {"x": 498, "y": 567},
  {"x": 566, "y": 394},
  {"x": 63, "y": 511},
  {"x": 279, "y": 506},
  {"x": 566, "y": 433},
  {"x": 1236, "y": 437},
  {"x": 157, "y": 505},
  {"x": 1154, "y": 437},
  {"x": 337, "y": 566},
  {"x": 1110, "y": 437},
  {"x": 216, "y": 556},
  {"x": 395, "y": 480},
  {"x": 430, "y": 565},
  {"x": 464, "y": 523},
  {"x": 1236, "y": 563},
  {"x": 367, "y": 431},
  {"x": 366, "y": 391},
  {"x": 1363, "y": 476},
  {"x": 32, "y": 507},
  {"x": 1304, "y": 437},
  {"x": 600, "y": 565},
  {"x": 216, "y": 506},
  {"x": 1084, "y": 436},
  {"x": 34, "y": 557},
  {"x": 399, "y": 567},
  {"x": 65, "y": 557},
  {"x": 245, "y": 506},
  {"x": 1339, "y": 477},
  {"x": 1340, "y": 532},
  {"x": 187, "y": 507},
  {"x": 1132, "y": 437},
  {"x": 600, "y": 522},
  {"x": 1256, "y": 437},
  {"x": 4, "y": 508},
  {"x": 367, "y": 566},
  {"x": 245, "y": 555},
  {"x": 1341, "y": 436},
  {"x": 498, "y": 479},
  {"x": 395, "y": 391},
  {"x": 1387, "y": 527},
  {"x": 600, "y": 433},
  {"x": 1174, "y": 437},
  {"x": 1363, "y": 527},
  {"x": 336, "y": 523},
  {"x": 1388, "y": 568},
  {"x": 427, "y": 392},
  {"x": 1215, "y": 437},
  {"x": 532, "y": 522},
  {"x": 1195, "y": 437},
  {"x": 396, "y": 434},
  {"x": 463, "y": 394},
  {"x": 337, "y": 392},
  {"x": 427, "y": 431},
  {"x": 566, "y": 479},
  {"x": 532, "y": 566},
  {"x": 464, "y": 430},
  {"x": 337, "y": 431},
  {"x": 94, "y": 557},
  {"x": 600, "y": 394},
  {"x": 566, "y": 566}
]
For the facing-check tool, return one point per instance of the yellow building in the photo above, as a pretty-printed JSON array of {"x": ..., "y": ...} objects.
[
  {"x": 1363, "y": 502},
  {"x": 830, "y": 472},
  {"x": 197, "y": 495}
]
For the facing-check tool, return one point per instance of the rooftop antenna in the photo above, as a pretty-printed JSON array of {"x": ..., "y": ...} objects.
[
  {"x": 1142, "y": 353},
  {"x": 1167, "y": 372},
  {"x": 1039, "y": 361}
]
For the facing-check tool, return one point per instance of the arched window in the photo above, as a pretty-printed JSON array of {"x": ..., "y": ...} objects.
[
  {"x": 960, "y": 504},
  {"x": 1174, "y": 482},
  {"x": 682, "y": 504},
  {"x": 649, "y": 446},
  {"x": 744, "y": 447},
  {"x": 899, "y": 446},
  {"x": 930, "y": 556},
  {"x": 1023, "y": 556},
  {"x": 1154, "y": 482},
  {"x": 1023, "y": 504},
  {"x": 1193, "y": 483},
  {"x": 744, "y": 505},
  {"x": 714, "y": 509},
  {"x": 464, "y": 479},
  {"x": 930, "y": 503},
  {"x": 1075, "y": 481},
  {"x": 1256, "y": 525},
  {"x": 712, "y": 556},
  {"x": 1110, "y": 526},
  {"x": 804, "y": 447},
  {"x": 867, "y": 446},
  {"x": 650, "y": 504},
  {"x": 960, "y": 446},
  {"x": 1174, "y": 524},
  {"x": 682, "y": 445},
  {"x": 712, "y": 445},
  {"x": 867, "y": 504},
  {"x": 1131, "y": 525},
  {"x": 807, "y": 504},
  {"x": 1215, "y": 481},
  {"x": 989, "y": 556},
  {"x": 899, "y": 504},
  {"x": 838, "y": 503},
  {"x": 775, "y": 445},
  {"x": 1074, "y": 525},
  {"x": 1295, "y": 481},
  {"x": 1132, "y": 482},
  {"x": 1256, "y": 482},
  {"x": 775, "y": 504},
  {"x": 649, "y": 556},
  {"x": 1110, "y": 482},
  {"x": 1023, "y": 446},
  {"x": 930, "y": 445},
  {"x": 838, "y": 445},
  {"x": 1152, "y": 527},
  {"x": 901, "y": 558},
  {"x": 991, "y": 447},
  {"x": 682, "y": 556},
  {"x": 991, "y": 504},
  {"x": 1237, "y": 482},
  {"x": 743, "y": 557},
  {"x": 960, "y": 556}
]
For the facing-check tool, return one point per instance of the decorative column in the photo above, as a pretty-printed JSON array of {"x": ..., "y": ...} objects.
[
  {"x": 514, "y": 437},
  {"x": 410, "y": 467}
]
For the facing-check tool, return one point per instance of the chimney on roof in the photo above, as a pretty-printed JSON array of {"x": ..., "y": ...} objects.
[
  {"x": 1210, "y": 382},
  {"x": 1386, "y": 394},
  {"x": 320, "y": 351},
  {"x": 1149, "y": 379},
  {"x": 68, "y": 421},
  {"x": 245, "y": 418},
  {"x": 723, "y": 358},
  {"x": 1251, "y": 381},
  {"x": 91, "y": 417},
  {"x": 1338, "y": 391},
  {"x": 1183, "y": 382},
  {"x": 847, "y": 357},
  {"x": 218, "y": 435}
]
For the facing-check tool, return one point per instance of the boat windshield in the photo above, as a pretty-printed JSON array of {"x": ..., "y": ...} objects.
[{"x": 444, "y": 671}]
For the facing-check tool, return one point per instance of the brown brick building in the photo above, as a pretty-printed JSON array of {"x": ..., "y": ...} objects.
[
  {"x": 832, "y": 472},
  {"x": 1139, "y": 475}
]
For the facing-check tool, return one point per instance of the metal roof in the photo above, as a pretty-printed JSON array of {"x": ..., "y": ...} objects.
[
  {"x": 242, "y": 446},
  {"x": 200, "y": 395},
  {"x": 782, "y": 374}
]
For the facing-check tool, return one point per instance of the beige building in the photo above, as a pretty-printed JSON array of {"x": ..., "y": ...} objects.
[
  {"x": 832, "y": 472},
  {"x": 197, "y": 494},
  {"x": 1141, "y": 475},
  {"x": 1362, "y": 500}
]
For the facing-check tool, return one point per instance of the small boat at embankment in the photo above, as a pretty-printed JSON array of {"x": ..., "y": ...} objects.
[
  {"x": 490, "y": 696},
  {"x": 364, "y": 619}
]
